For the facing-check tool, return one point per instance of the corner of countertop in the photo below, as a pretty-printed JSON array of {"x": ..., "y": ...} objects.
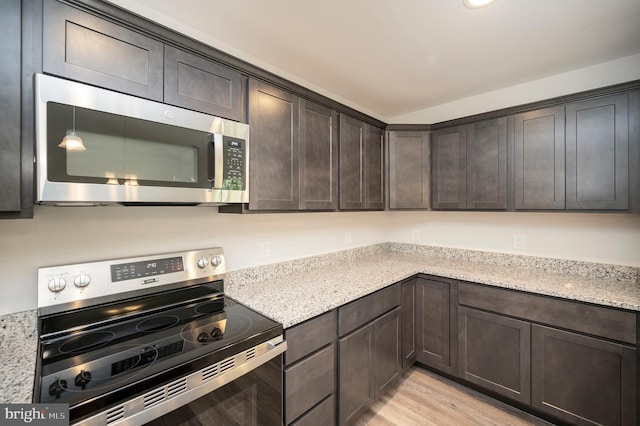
[{"x": 18, "y": 346}]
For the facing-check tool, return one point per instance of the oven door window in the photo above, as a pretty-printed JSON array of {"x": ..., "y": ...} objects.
[
  {"x": 122, "y": 150},
  {"x": 252, "y": 399}
]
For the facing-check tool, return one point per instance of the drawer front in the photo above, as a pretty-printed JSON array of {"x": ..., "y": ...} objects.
[
  {"x": 368, "y": 308},
  {"x": 309, "y": 382},
  {"x": 309, "y": 336},
  {"x": 595, "y": 320},
  {"x": 322, "y": 415}
]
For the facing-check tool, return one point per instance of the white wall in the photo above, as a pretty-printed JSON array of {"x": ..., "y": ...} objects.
[
  {"x": 596, "y": 237},
  {"x": 59, "y": 235},
  {"x": 592, "y": 77},
  {"x": 63, "y": 235}
]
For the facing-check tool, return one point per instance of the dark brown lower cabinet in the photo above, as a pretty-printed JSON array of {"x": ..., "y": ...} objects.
[
  {"x": 408, "y": 323},
  {"x": 495, "y": 353},
  {"x": 436, "y": 319},
  {"x": 310, "y": 372},
  {"x": 369, "y": 362},
  {"x": 583, "y": 380}
]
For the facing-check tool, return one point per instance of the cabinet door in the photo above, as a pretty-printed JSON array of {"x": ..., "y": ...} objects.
[
  {"x": 436, "y": 319},
  {"x": 10, "y": 123},
  {"x": 374, "y": 168},
  {"x": 583, "y": 380},
  {"x": 387, "y": 354},
  {"x": 539, "y": 165},
  {"x": 409, "y": 167},
  {"x": 598, "y": 154},
  {"x": 351, "y": 163},
  {"x": 83, "y": 47},
  {"x": 495, "y": 353},
  {"x": 274, "y": 173},
  {"x": 355, "y": 378},
  {"x": 318, "y": 157},
  {"x": 196, "y": 83},
  {"x": 449, "y": 168},
  {"x": 487, "y": 164},
  {"x": 408, "y": 323}
]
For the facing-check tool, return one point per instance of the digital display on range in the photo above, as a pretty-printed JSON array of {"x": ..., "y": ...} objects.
[{"x": 129, "y": 271}]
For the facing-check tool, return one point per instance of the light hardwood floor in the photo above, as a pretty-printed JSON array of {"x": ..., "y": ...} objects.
[{"x": 424, "y": 398}]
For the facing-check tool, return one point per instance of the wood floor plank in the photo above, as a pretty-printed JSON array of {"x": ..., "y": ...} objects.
[{"x": 424, "y": 398}]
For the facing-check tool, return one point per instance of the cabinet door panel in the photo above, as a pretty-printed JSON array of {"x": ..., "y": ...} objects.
[
  {"x": 202, "y": 85},
  {"x": 408, "y": 323},
  {"x": 10, "y": 140},
  {"x": 309, "y": 336},
  {"x": 436, "y": 324},
  {"x": 409, "y": 167},
  {"x": 487, "y": 164},
  {"x": 355, "y": 377},
  {"x": 583, "y": 380},
  {"x": 386, "y": 351},
  {"x": 351, "y": 163},
  {"x": 319, "y": 157},
  {"x": 374, "y": 166},
  {"x": 321, "y": 415},
  {"x": 309, "y": 382},
  {"x": 274, "y": 178},
  {"x": 598, "y": 154},
  {"x": 495, "y": 353},
  {"x": 539, "y": 163},
  {"x": 84, "y": 47},
  {"x": 449, "y": 168}
]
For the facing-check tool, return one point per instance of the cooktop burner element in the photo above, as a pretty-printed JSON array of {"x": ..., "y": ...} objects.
[{"x": 114, "y": 346}]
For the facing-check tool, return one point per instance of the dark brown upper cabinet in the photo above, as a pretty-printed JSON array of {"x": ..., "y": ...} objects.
[
  {"x": 469, "y": 166},
  {"x": 539, "y": 159},
  {"x": 197, "y": 83},
  {"x": 294, "y": 151},
  {"x": 83, "y": 47},
  {"x": 361, "y": 165},
  {"x": 274, "y": 172},
  {"x": 597, "y": 150},
  {"x": 487, "y": 164},
  {"x": 449, "y": 168},
  {"x": 409, "y": 166},
  {"x": 318, "y": 157},
  {"x": 10, "y": 111}
]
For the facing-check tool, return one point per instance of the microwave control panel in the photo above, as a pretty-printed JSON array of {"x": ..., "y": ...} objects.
[{"x": 234, "y": 169}]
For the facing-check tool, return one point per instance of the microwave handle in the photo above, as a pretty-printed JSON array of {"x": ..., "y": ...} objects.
[{"x": 215, "y": 163}]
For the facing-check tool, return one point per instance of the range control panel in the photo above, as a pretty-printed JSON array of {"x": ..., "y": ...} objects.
[{"x": 59, "y": 286}]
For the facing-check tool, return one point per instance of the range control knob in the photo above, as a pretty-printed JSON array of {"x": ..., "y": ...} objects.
[
  {"x": 82, "y": 379},
  {"x": 216, "y": 333},
  {"x": 57, "y": 388},
  {"x": 82, "y": 280},
  {"x": 216, "y": 260},
  {"x": 202, "y": 262},
  {"x": 203, "y": 337},
  {"x": 57, "y": 284}
]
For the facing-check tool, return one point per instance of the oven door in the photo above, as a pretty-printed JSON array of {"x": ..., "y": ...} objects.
[{"x": 253, "y": 399}]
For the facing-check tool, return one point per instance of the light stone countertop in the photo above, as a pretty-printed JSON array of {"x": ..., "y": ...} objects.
[
  {"x": 300, "y": 295},
  {"x": 294, "y": 291}
]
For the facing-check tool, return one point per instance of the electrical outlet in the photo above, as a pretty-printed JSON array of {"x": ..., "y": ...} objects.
[
  {"x": 518, "y": 242},
  {"x": 348, "y": 237},
  {"x": 264, "y": 249},
  {"x": 415, "y": 234}
]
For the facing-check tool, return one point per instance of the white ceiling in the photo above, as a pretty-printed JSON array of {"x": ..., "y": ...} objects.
[{"x": 393, "y": 57}]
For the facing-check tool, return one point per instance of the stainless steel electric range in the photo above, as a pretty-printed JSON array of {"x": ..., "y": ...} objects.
[{"x": 153, "y": 339}]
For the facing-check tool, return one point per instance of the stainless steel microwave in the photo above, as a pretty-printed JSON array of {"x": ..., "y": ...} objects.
[{"x": 98, "y": 147}]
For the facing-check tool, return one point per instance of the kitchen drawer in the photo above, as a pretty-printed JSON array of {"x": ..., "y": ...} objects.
[
  {"x": 309, "y": 382},
  {"x": 321, "y": 415},
  {"x": 595, "y": 320},
  {"x": 368, "y": 308},
  {"x": 309, "y": 336}
]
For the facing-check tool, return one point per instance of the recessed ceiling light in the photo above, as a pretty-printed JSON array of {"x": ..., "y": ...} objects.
[{"x": 475, "y": 4}]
